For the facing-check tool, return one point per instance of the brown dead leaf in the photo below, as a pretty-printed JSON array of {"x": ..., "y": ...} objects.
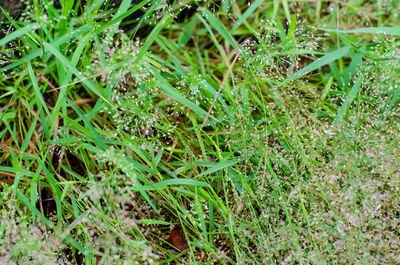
[{"x": 178, "y": 239}]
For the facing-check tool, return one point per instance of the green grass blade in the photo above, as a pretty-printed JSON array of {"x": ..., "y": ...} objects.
[
  {"x": 184, "y": 182},
  {"x": 92, "y": 86},
  {"x": 170, "y": 182},
  {"x": 98, "y": 140},
  {"x": 35, "y": 211},
  {"x": 122, "y": 13},
  {"x": 18, "y": 33},
  {"x": 28, "y": 135},
  {"x": 153, "y": 35},
  {"x": 38, "y": 94},
  {"x": 166, "y": 87},
  {"x": 220, "y": 28},
  {"x": 349, "y": 99},
  {"x": 326, "y": 59},
  {"x": 381, "y": 30},
  {"x": 285, "y": 4},
  {"x": 218, "y": 167},
  {"x": 246, "y": 15}
]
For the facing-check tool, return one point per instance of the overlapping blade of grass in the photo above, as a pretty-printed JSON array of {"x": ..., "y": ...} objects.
[
  {"x": 219, "y": 166},
  {"x": 170, "y": 182},
  {"x": 165, "y": 20},
  {"x": 89, "y": 83},
  {"x": 220, "y": 28},
  {"x": 98, "y": 140},
  {"x": 285, "y": 4},
  {"x": 123, "y": 12},
  {"x": 28, "y": 135},
  {"x": 93, "y": 7},
  {"x": 65, "y": 79},
  {"x": 39, "y": 97},
  {"x": 57, "y": 42},
  {"x": 67, "y": 237}
]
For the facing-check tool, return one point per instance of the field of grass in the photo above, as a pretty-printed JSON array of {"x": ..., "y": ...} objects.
[{"x": 200, "y": 132}]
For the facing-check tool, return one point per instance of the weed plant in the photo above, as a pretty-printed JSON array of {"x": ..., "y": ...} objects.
[{"x": 257, "y": 132}]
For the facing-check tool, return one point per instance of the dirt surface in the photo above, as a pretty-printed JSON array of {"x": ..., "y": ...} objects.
[{"x": 13, "y": 7}]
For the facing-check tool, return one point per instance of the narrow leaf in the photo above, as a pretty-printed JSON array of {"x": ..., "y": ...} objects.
[
  {"x": 18, "y": 33},
  {"x": 349, "y": 99},
  {"x": 330, "y": 57},
  {"x": 218, "y": 167},
  {"x": 167, "y": 88},
  {"x": 246, "y": 14},
  {"x": 76, "y": 72},
  {"x": 380, "y": 30}
]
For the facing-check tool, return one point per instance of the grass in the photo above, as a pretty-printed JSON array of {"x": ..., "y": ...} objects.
[{"x": 234, "y": 132}]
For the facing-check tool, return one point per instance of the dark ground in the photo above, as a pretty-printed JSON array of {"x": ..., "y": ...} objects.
[{"x": 11, "y": 6}]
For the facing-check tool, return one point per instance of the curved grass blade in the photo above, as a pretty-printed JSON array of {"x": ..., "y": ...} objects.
[
  {"x": 153, "y": 35},
  {"x": 169, "y": 182},
  {"x": 98, "y": 140}
]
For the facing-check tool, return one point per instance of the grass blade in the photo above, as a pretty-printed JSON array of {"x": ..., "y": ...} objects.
[
  {"x": 218, "y": 167},
  {"x": 326, "y": 59},
  {"x": 380, "y": 30},
  {"x": 153, "y": 35},
  {"x": 218, "y": 26},
  {"x": 18, "y": 33},
  {"x": 35, "y": 211},
  {"x": 349, "y": 99},
  {"x": 246, "y": 14},
  {"x": 166, "y": 87},
  {"x": 76, "y": 72}
]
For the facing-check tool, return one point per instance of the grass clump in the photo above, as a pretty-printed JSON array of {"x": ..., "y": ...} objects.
[{"x": 200, "y": 132}]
